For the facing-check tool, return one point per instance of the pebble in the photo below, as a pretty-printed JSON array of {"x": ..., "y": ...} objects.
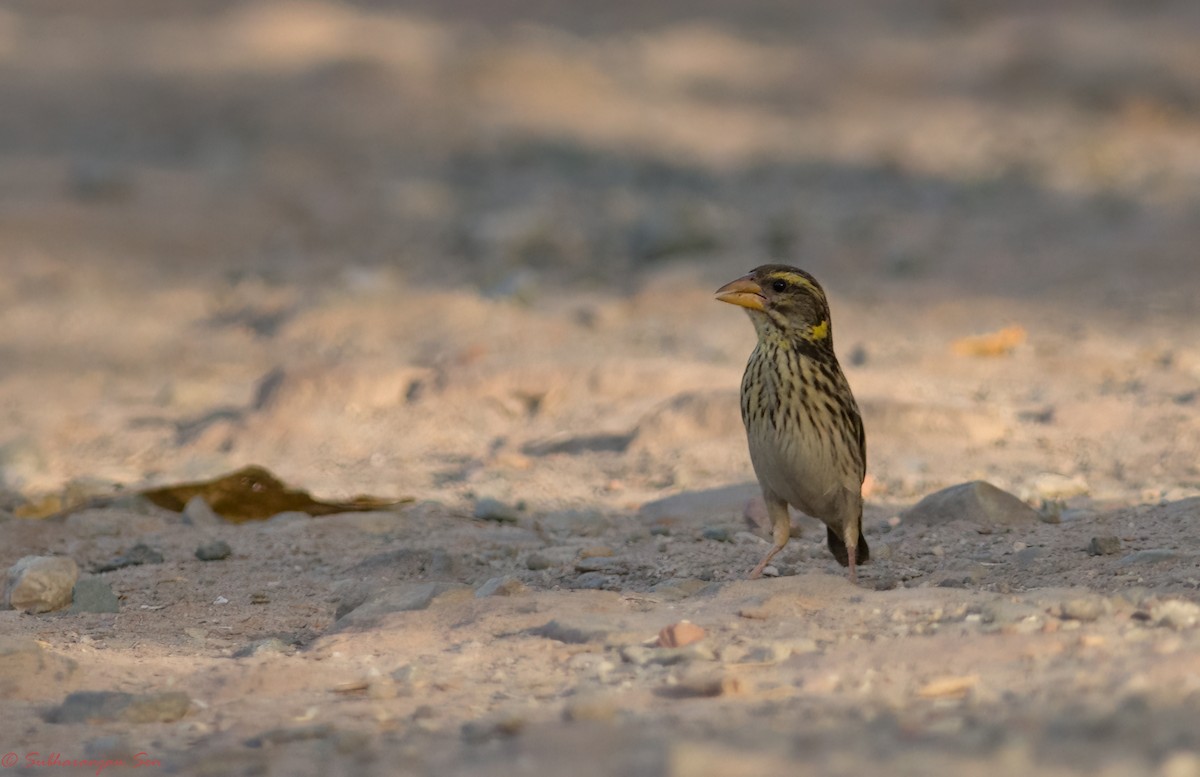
[
  {"x": 610, "y": 566},
  {"x": 118, "y": 707},
  {"x": 508, "y": 585},
  {"x": 1151, "y": 556},
  {"x": 1104, "y": 546},
  {"x": 1026, "y": 557},
  {"x": 137, "y": 555},
  {"x": 37, "y": 584},
  {"x": 596, "y": 551},
  {"x": 1084, "y": 608},
  {"x": 698, "y": 507},
  {"x": 488, "y": 509},
  {"x": 94, "y": 595},
  {"x": 977, "y": 502},
  {"x": 214, "y": 551}
]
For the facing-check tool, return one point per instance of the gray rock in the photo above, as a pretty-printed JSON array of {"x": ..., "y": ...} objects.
[
  {"x": 29, "y": 671},
  {"x": 1104, "y": 546},
  {"x": 502, "y": 586},
  {"x": 402, "y": 597},
  {"x": 538, "y": 562},
  {"x": 38, "y": 584},
  {"x": 1026, "y": 557},
  {"x": 94, "y": 595},
  {"x": 137, "y": 555},
  {"x": 1151, "y": 556},
  {"x": 977, "y": 502},
  {"x": 577, "y": 523},
  {"x": 118, "y": 707},
  {"x": 214, "y": 551},
  {"x": 717, "y": 534},
  {"x": 696, "y": 508},
  {"x": 488, "y": 509},
  {"x": 1084, "y": 608}
]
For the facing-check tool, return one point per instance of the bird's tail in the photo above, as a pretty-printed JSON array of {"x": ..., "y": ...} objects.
[{"x": 837, "y": 546}]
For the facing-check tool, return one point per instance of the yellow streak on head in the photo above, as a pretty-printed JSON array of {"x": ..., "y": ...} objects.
[
  {"x": 796, "y": 280},
  {"x": 821, "y": 330}
]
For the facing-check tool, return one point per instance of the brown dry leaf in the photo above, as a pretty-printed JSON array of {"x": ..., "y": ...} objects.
[
  {"x": 254, "y": 494},
  {"x": 948, "y": 687},
  {"x": 1000, "y": 343},
  {"x": 680, "y": 634}
]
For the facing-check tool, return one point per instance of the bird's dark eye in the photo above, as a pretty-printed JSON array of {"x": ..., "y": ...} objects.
[{"x": 779, "y": 285}]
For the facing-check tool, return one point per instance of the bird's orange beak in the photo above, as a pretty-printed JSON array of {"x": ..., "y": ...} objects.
[{"x": 744, "y": 292}]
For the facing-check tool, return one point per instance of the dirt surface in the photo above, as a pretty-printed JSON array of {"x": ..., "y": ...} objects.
[{"x": 465, "y": 253}]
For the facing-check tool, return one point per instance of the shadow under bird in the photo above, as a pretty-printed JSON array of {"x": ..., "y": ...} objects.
[{"x": 802, "y": 423}]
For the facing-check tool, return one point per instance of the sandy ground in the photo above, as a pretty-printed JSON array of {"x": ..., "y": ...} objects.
[{"x": 466, "y": 255}]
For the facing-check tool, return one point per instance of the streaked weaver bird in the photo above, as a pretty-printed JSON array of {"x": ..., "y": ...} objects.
[{"x": 802, "y": 423}]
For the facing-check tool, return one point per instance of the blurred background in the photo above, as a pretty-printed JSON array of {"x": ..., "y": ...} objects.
[{"x": 446, "y": 247}]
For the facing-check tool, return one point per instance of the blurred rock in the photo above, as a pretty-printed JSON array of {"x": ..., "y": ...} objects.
[
  {"x": 37, "y": 584},
  {"x": 136, "y": 556},
  {"x": 1104, "y": 546},
  {"x": 508, "y": 585},
  {"x": 197, "y": 513},
  {"x": 488, "y": 509},
  {"x": 697, "y": 508},
  {"x": 214, "y": 551},
  {"x": 978, "y": 502},
  {"x": 28, "y": 671},
  {"x": 396, "y": 598},
  {"x": 94, "y": 595}
]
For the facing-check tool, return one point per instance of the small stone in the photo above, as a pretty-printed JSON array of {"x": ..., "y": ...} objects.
[
  {"x": 977, "y": 502},
  {"x": 117, "y": 707},
  {"x": 1027, "y": 556},
  {"x": 488, "y": 509},
  {"x": 1151, "y": 556},
  {"x": 198, "y": 513},
  {"x": 680, "y": 634},
  {"x": 214, "y": 551},
  {"x": 596, "y": 551},
  {"x": 537, "y": 562},
  {"x": 137, "y": 555},
  {"x": 501, "y": 586},
  {"x": 94, "y": 595},
  {"x": 39, "y": 584},
  {"x": 1104, "y": 546},
  {"x": 717, "y": 534},
  {"x": 948, "y": 687},
  {"x": 1084, "y": 608},
  {"x": 260, "y": 597},
  {"x": 610, "y": 566},
  {"x": 1175, "y": 614},
  {"x": 770, "y": 571},
  {"x": 582, "y": 631}
]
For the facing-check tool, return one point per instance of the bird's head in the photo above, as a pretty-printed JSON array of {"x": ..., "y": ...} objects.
[{"x": 782, "y": 302}]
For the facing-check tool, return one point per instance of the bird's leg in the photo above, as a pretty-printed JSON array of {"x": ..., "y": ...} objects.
[
  {"x": 853, "y": 551},
  {"x": 781, "y": 530}
]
